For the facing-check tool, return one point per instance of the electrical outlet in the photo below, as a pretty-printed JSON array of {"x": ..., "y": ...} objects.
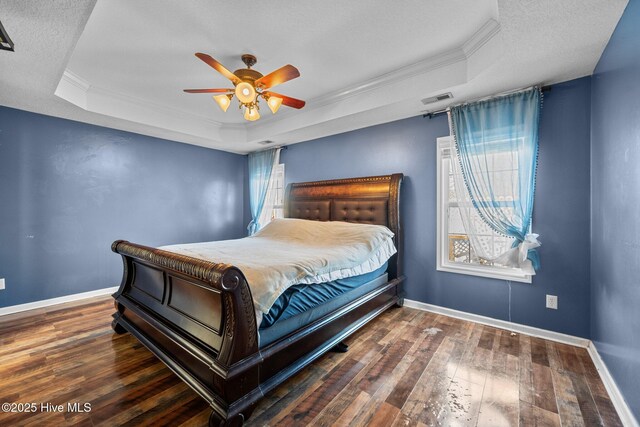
[
  {"x": 1, "y": 284},
  {"x": 552, "y": 302}
]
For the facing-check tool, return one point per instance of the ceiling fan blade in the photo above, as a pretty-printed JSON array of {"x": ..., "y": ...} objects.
[
  {"x": 208, "y": 90},
  {"x": 218, "y": 67},
  {"x": 279, "y": 76},
  {"x": 287, "y": 100}
]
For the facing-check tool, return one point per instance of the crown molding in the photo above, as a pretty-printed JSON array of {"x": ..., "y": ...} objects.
[
  {"x": 90, "y": 97},
  {"x": 75, "y": 80},
  {"x": 73, "y": 88},
  {"x": 149, "y": 105},
  {"x": 422, "y": 67},
  {"x": 484, "y": 35}
]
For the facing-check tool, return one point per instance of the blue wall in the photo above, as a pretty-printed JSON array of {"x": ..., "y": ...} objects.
[
  {"x": 561, "y": 214},
  {"x": 615, "y": 250},
  {"x": 68, "y": 190}
]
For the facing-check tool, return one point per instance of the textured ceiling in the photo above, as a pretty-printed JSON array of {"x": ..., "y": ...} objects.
[{"x": 124, "y": 63}]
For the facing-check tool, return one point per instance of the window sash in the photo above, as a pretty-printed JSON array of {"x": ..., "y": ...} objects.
[{"x": 278, "y": 188}]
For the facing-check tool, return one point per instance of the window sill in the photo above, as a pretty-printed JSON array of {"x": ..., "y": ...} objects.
[{"x": 488, "y": 272}]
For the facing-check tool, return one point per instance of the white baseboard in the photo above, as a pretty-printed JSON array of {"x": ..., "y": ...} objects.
[
  {"x": 501, "y": 324},
  {"x": 625, "y": 414},
  {"x": 53, "y": 301}
]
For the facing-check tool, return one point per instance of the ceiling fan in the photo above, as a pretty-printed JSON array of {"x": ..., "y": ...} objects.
[{"x": 250, "y": 85}]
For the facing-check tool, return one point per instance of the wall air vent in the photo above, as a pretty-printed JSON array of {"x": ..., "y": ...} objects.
[
  {"x": 437, "y": 98},
  {"x": 5, "y": 40}
]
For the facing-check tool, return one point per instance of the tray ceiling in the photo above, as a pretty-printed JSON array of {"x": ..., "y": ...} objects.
[{"x": 124, "y": 63}]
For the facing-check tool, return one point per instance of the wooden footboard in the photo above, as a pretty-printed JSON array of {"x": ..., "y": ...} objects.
[{"x": 196, "y": 316}]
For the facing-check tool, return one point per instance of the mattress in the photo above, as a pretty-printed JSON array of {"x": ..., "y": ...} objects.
[
  {"x": 303, "y": 304},
  {"x": 287, "y": 252}
]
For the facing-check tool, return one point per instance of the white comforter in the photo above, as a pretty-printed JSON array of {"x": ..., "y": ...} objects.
[{"x": 291, "y": 251}]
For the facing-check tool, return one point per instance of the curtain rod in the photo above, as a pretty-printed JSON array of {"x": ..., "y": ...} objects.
[
  {"x": 280, "y": 147},
  {"x": 432, "y": 114}
]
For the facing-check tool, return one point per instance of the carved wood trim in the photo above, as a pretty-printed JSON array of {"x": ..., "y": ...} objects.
[
  {"x": 240, "y": 337},
  {"x": 202, "y": 270},
  {"x": 345, "y": 181}
]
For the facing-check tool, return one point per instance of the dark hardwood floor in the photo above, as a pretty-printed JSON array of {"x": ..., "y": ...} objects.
[{"x": 408, "y": 367}]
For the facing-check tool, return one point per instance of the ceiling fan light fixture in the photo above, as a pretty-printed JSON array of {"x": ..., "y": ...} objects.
[
  {"x": 251, "y": 114},
  {"x": 245, "y": 92},
  {"x": 223, "y": 101},
  {"x": 250, "y": 85},
  {"x": 274, "y": 103}
]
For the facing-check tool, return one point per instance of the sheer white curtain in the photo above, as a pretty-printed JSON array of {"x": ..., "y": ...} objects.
[
  {"x": 270, "y": 199},
  {"x": 485, "y": 244}
]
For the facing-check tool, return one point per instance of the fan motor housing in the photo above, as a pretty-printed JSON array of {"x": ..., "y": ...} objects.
[{"x": 247, "y": 75}]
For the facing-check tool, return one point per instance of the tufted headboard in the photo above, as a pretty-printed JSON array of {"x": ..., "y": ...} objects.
[{"x": 368, "y": 200}]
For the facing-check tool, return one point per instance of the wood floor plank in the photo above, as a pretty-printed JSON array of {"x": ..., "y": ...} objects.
[
  {"x": 376, "y": 407},
  {"x": 151, "y": 407},
  {"x": 527, "y": 391},
  {"x": 463, "y": 399},
  {"x": 607, "y": 411},
  {"x": 369, "y": 378},
  {"x": 346, "y": 417},
  {"x": 569, "y": 358},
  {"x": 406, "y": 368},
  {"x": 568, "y": 407},
  {"x": 588, "y": 408},
  {"x": 423, "y": 356},
  {"x": 381, "y": 370},
  {"x": 384, "y": 416},
  {"x": 555, "y": 362},
  {"x": 429, "y": 398},
  {"x": 471, "y": 367},
  {"x": 292, "y": 390},
  {"x": 539, "y": 351},
  {"x": 309, "y": 408},
  {"x": 487, "y": 338},
  {"x": 500, "y": 403},
  {"x": 417, "y": 400},
  {"x": 500, "y": 398},
  {"x": 340, "y": 403},
  {"x": 532, "y": 416},
  {"x": 510, "y": 343},
  {"x": 545, "y": 396},
  {"x": 200, "y": 419}
]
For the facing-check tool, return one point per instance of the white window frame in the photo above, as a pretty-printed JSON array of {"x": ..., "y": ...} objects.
[{"x": 443, "y": 263}]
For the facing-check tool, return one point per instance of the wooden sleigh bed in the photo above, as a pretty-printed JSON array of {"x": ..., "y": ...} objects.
[{"x": 198, "y": 316}]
